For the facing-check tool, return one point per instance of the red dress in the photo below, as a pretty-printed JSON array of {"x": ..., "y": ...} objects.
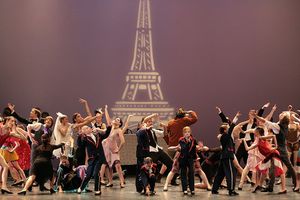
[
  {"x": 265, "y": 148},
  {"x": 23, "y": 152}
]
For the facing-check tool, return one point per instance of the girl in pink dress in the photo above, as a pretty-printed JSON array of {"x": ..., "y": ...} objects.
[{"x": 113, "y": 144}]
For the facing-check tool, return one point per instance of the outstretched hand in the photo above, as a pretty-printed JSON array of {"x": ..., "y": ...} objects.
[
  {"x": 218, "y": 109},
  {"x": 83, "y": 101},
  {"x": 266, "y": 105},
  {"x": 11, "y": 107}
]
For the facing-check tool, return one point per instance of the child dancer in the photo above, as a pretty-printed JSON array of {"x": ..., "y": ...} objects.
[
  {"x": 147, "y": 176},
  {"x": 187, "y": 147}
]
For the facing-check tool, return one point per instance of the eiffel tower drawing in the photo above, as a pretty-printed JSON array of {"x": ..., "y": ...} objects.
[{"x": 142, "y": 95}]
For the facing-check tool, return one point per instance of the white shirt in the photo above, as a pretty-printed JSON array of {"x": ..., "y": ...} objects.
[{"x": 158, "y": 134}]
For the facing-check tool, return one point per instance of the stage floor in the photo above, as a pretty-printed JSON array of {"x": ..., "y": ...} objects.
[{"x": 129, "y": 193}]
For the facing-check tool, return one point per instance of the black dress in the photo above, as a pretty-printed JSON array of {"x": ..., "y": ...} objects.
[{"x": 42, "y": 166}]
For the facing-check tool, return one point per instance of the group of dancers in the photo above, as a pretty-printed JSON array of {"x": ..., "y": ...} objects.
[{"x": 69, "y": 154}]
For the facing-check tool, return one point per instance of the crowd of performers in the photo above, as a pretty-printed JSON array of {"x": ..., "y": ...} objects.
[{"x": 68, "y": 154}]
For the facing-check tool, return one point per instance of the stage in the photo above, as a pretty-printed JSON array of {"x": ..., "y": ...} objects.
[{"x": 174, "y": 193}]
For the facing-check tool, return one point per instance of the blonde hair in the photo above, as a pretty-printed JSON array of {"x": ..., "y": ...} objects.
[{"x": 186, "y": 128}]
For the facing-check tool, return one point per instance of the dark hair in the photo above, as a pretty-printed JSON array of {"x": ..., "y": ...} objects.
[
  {"x": 6, "y": 112},
  {"x": 180, "y": 113},
  {"x": 121, "y": 122},
  {"x": 260, "y": 130},
  {"x": 45, "y": 114},
  {"x": 222, "y": 128},
  {"x": 74, "y": 117},
  {"x": 285, "y": 121}
]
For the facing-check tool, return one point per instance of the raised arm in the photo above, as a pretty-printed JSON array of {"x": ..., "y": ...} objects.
[
  {"x": 222, "y": 115},
  {"x": 191, "y": 119},
  {"x": 270, "y": 115},
  {"x": 108, "y": 120},
  {"x": 126, "y": 124},
  {"x": 15, "y": 115},
  {"x": 234, "y": 121},
  {"x": 86, "y": 106},
  {"x": 154, "y": 115},
  {"x": 85, "y": 122}
]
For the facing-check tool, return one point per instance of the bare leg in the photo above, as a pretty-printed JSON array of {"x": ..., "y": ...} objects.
[
  {"x": 168, "y": 180},
  {"x": 243, "y": 177},
  {"x": 239, "y": 168},
  {"x": 29, "y": 182},
  {"x": 19, "y": 169},
  {"x": 282, "y": 176},
  {"x": 4, "y": 172},
  {"x": 204, "y": 179},
  {"x": 163, "y": 169},
  {"x": 120, "y": 173}
]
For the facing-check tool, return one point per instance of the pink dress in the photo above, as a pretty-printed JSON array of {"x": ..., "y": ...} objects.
[
  {"x": 254, "y": 157},
  {"x": 110, "y": 147}
]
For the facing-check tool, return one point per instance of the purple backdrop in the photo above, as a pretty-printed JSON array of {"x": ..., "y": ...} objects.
[{"x": 235, "y": 54}]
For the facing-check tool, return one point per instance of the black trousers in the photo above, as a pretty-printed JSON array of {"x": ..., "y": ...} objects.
[
  {"x": 140, "y": 162},
  {"x": 93, "y": 169},
  {"x": 162, "y": 157},
  {"x": 148, "y": 180},
  {"x": 225, "y": 169},
  {"x": 285, "y": 159},
  {"x": 187, "y": 164}
]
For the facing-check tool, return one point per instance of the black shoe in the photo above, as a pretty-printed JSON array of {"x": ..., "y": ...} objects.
[
  {"x": 152, "y": 193},
  {"x": 109, "y": 185},
  {"x": 30, "y": 188},
  {"x": 4, "y": 191},
  {"x": 295, "y": 190},
  {"x": 267, "y": 190},
  {"x": 282, "y": 192},
  {"x": 239, "y": 188},
  {"x": 256, "y": 189},
  {"x": 233, "y": 193},
  {"x": 52, "y": 191},
  {"x": 214, "y": 192},
  {"x": 192, "y": 192},
  {"x": 23, "y": 192},
  {"x": 18, "y": 183},
  {"x": 174, "y": 183},
  {"x": 43, "y": 188},
  {"x": 185, "y": 192}
]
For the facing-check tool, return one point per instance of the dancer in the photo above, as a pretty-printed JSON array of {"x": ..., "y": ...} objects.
[
  {"x": 147, "y": 176},
  {"x": 187, "y": 148},
  {"x": 95, "y": 154},
  {"x": 110, "y": 146},
  {"x": 270, "y": 154},
  {"x": 280, "y": 129},
  {"x": 6, "y": 131},
  {"x": 67, "y": 178},
  {"x": 42, "y": 170},
  {"x": 226, "y": 160}
]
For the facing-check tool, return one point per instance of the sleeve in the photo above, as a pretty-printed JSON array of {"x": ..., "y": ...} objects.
[
  {"x": 274, "y": 126},
  {"x": 191, "y": 119},
  {"x": 20, "y": 119},
  {"x": 35, "y": 126},
  {"x": 223, "y": 117}
]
